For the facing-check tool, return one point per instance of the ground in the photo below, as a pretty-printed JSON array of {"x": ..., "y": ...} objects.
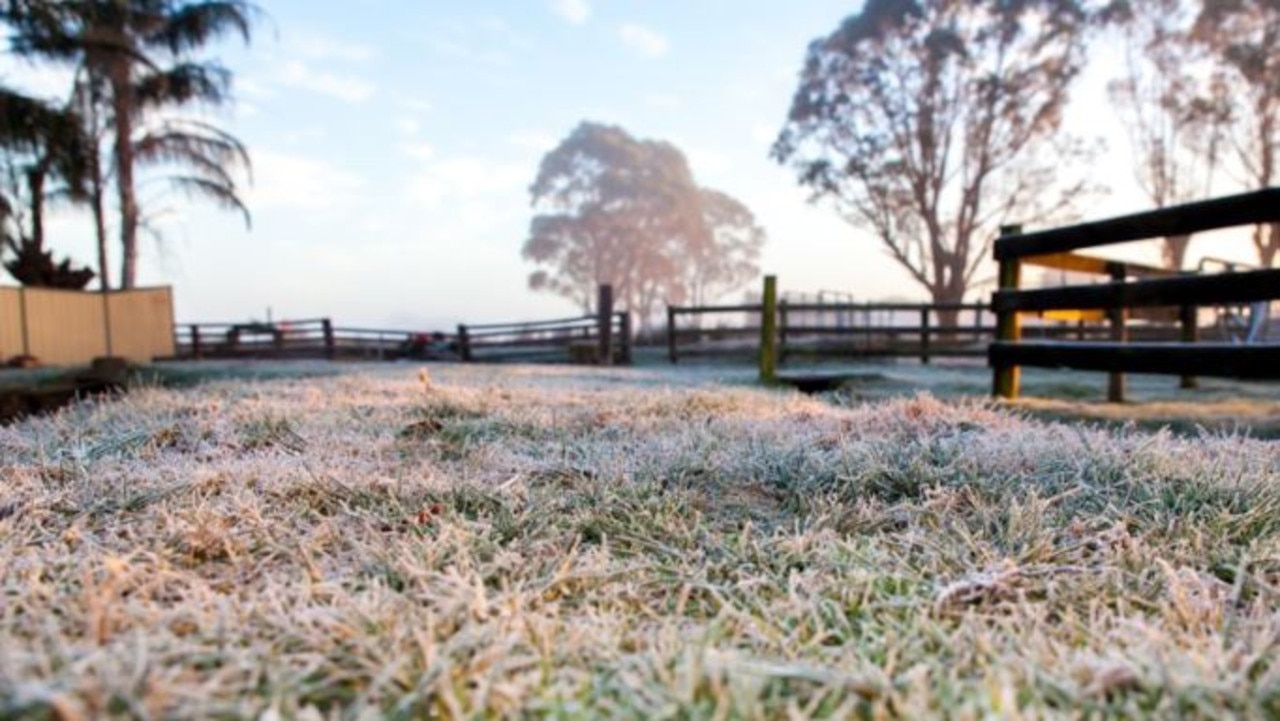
[{"x": 459, "y": 541}]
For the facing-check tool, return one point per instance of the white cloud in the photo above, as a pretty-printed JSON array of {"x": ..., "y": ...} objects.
[
  {"x": 643, "y": 40},
  {"x": 300, "y": 182},
  {"x": 532, "y": 140},
  {"x": 322, "y": 47},
  {"x": 408, "y": 125},
  {"x": 460, "y": 180},
  {"x": 47, "y": 82},
  {"x": 347, "y": 88},
  {"x": 420, "y": 151},
  {"x": 573, "y": 11},
  {"x": 662, "y": 100}
]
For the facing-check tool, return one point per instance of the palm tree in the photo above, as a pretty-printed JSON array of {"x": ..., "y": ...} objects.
[
  {"x": 40, "y": 143},
  {"x": 139, "y": 55}
]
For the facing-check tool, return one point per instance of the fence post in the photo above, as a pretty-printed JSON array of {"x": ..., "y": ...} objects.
[
  {"x": 1188, "y": 317},
  {"x": 769, "y": 330},
  {"x": 330, "y": 347},
  {"x": 1119, "y": 334},
  {"x": 624, "y": 337},
  {"x": 464, "y": 344},
  {"x": 1005, "y": 379},
  {"x": 671, "y": 335},
  {"x": 924, "y": 336},
  {"x": 782, "y": 331},
  {"x": 197, "y": 351},
  {"x": 604, "y": 324}
]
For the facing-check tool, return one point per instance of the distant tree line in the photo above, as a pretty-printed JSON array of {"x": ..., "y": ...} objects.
[{"x": 136, "y": 64}]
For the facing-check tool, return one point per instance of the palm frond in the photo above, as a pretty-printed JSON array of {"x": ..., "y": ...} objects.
[
  {"x": 193, "y": 24},
  {"x": 181, "y": 84},
  {"x": 221, "y": 195}
]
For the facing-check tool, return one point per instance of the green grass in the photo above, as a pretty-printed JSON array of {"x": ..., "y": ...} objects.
[{"x": 479, "y": 542}]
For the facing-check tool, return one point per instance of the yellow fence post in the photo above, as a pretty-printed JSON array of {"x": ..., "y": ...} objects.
[{"x": 769, "y": 330}]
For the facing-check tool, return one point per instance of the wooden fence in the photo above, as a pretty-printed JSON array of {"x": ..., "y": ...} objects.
[
  {"x": 584, "y": 339},
  {"x": 576, "y": 340},
  {"x": 72, "y": 327},
  {"x": 1128, "y": 290}
]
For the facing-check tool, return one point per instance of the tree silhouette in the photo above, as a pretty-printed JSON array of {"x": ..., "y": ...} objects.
[
  {"x": 39, "y": 143},
  {"x": 930, "y": 122},
  {"x": 614, "y": 209}
]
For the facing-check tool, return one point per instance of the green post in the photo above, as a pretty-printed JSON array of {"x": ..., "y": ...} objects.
[
  {"x": 1005, "y": 380},
  {"x": 769, "y": 330}
]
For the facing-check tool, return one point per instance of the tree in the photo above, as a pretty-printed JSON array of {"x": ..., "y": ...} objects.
[
  {"x": 1173, "y": 126},
  {"x": 139, "y": 57},
  {"x": 1243, "y": 39},
  {"x": 39, "y": 143},
  {"x": 930, "y": 122},
  {"x": 614, "y": 209}
]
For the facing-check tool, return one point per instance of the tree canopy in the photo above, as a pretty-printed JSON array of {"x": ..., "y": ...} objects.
[
  {"x": 611, "y": 208},
  {"x": 931, "y": 122}
]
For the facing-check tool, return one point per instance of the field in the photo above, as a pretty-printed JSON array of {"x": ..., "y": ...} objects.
[{"x": 464, "y": 541}]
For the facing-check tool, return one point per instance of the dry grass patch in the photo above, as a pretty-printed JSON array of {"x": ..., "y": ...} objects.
[{"x": 487, "y": 542}]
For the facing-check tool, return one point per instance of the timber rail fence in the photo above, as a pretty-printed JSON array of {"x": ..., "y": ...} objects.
[
  {"x": 830, "y": 330},
  {"x": 1128, "y": 290},
  {"x": 582, "y": 339}
]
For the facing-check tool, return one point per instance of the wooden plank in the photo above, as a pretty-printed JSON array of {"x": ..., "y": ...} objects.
[
  {"x": 1078, "y": 263},
  {"x": 1217, "y": 289},
  {"x": 1262, "y": 206},
  {"x": 1225, "y": 360}
]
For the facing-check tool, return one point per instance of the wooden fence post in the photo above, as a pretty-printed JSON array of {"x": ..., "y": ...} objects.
[
  {"x": 1005, "y": 379},
  {"x": 924, "y": 336},
  {"x": 330, "y": 346},
  {"x": 1189, "y": 318},
  {"x": 671, "y": 335},
  {"x": 464, "y": 344},
  {"x": 604, "y": 324},
  {"x": 782, "y": 331},
  {"x": 1119, "y": 333},
  {"x": 769, "y": 330},
  {"x": 624, "y": 337},
  {"x": 196, "y": 350}
]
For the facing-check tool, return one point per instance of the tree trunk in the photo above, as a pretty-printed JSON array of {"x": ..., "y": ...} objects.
[
  {"x": 35, "y": 186},
  {"x": 99, "y": 223},
  {"x": 122, "y": 109},
  {"x": 1174, "y": 251},
  {"x": 1267, "y": 239}
]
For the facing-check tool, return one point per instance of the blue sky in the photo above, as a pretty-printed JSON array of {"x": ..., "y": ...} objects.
[{"x": 394, "y": 142}]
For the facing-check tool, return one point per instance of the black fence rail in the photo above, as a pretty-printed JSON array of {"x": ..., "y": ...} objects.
[
  {"x": 823, "y": 331},
  {"x": 309, "y": 338},
  {"x": 1132, "y": 288},
  {"x": 583, "y": 339}
]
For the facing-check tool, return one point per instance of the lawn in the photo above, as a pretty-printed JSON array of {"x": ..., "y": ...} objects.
[{"x": 463, "y": 541}]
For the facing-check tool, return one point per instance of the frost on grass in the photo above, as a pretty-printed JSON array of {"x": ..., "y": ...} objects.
[{"x": 574, "y": 543}]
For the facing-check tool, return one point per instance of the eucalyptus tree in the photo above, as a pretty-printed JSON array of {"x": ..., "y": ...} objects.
[
  {"x": 1172, "y": 110},
  {"x": 931, "y": 122},
  {"x": 1242, "y": 39},
  {"x": 140, "y": 60},
  {"x": 611, "y": 208}
]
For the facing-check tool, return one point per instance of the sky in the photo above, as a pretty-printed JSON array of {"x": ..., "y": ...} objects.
[{"x": 394, "y": 142}]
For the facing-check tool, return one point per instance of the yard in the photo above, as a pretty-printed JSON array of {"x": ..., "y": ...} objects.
[{"x": 462, "y": 541}]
